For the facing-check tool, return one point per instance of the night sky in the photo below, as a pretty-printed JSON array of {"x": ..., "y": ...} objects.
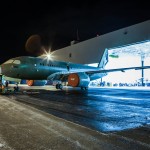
[{"x": 57, "y": 23}]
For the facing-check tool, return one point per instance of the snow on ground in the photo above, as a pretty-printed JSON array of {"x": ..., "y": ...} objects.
[{"x": 4, "y": 145}]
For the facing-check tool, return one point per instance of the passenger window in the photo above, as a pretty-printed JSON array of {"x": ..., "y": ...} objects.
[{"x": 17, "y": 62}]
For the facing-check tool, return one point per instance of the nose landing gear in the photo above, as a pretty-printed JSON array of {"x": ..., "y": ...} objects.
[{"x": 59, "y": 86}]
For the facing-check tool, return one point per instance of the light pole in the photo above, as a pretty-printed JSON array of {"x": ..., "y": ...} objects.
[{"x": 142, "y": 64}]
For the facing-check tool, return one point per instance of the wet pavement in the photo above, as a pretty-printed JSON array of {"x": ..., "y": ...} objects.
[
  {"x": 120, "y": 119},
  {"x": 101, "y": 109}
]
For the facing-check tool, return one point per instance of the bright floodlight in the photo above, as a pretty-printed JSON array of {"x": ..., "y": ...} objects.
[{"x": 47, "y": 54}]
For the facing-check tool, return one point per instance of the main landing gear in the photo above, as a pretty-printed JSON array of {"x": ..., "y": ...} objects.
[
  {"x": 59, "y": 86},
  {"x": 84, "y": 88}
]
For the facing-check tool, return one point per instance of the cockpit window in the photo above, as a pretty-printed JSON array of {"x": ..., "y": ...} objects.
[
  {"x": 9, "y": 61},
  {"x": 17, "y": 62}
]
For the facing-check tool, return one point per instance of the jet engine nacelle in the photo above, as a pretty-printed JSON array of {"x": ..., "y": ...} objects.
[
  {"x": 78, "y": 80},
  {"x": 36, "y": 82}
]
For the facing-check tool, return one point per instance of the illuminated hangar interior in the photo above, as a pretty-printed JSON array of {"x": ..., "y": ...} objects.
[{"x": 129, "y": 56}]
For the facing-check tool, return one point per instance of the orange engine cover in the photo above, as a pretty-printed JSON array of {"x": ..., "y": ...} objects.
[
  {"x": 30, "y": 82},
  {"x": 73, "y": 80}
]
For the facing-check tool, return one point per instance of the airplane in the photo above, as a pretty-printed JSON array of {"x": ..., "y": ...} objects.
[{"x": 39, "y": 68}]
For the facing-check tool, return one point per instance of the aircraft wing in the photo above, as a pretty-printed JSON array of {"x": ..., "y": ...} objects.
[
  {"x": 52, "y": 76},
  {"x": 118, "y": 69}
]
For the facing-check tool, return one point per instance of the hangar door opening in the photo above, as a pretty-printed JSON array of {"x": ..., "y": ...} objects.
[{"x": 129, "y": 56}]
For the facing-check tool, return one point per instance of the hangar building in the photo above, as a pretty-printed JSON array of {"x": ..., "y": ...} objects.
[{"x": 92, "y": 50}]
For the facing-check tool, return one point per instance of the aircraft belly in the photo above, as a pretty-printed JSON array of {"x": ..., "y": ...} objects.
[
  {"x": 30, "y": 74},
  {"x": 36, "y": 73}
]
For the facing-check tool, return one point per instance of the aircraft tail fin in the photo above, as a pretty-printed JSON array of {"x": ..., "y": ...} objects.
[{"x": 104, "y": 60}]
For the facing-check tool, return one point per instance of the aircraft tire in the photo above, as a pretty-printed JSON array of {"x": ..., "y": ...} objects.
[
  {"x": 60, "y": 86},
  {"x": 84, "y": 88},
  {"x": 57, "y": 86}
]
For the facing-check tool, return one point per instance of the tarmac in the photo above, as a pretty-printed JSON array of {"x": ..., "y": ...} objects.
[{"x": 23, "y": 127}]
